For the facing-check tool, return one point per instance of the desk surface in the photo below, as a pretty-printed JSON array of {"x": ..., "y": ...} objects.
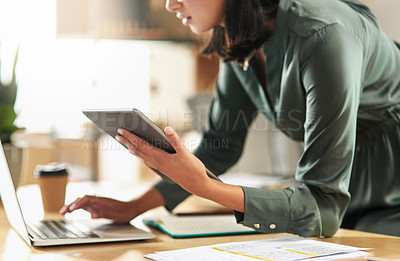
[{"x": 12, "y": 247}]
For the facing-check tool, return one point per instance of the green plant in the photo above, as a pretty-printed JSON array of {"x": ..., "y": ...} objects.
[{"x": 8, "y": 94}]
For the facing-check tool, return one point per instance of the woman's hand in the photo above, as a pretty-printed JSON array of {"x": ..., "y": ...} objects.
[
  {"x": 100, "y": 207},
  {"x": 117, "y": 211},
  {"x": 182, "y": 167}
]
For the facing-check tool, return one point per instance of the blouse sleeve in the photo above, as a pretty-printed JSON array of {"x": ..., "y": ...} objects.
[
  {"x": 331, "y": 72},
  {"x": 231, "y": 114}
]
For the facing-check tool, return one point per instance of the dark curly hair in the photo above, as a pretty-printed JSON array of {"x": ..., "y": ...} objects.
[{"x": 245, "y": 29}]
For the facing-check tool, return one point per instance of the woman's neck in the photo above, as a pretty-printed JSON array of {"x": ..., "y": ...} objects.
[{"x": 258, "y": 63}]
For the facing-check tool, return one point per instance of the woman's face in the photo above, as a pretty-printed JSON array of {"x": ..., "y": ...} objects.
[{"x": 199, "y": 15}]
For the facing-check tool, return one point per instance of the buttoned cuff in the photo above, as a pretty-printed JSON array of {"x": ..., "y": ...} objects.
[{"x": 266, "y": 210}]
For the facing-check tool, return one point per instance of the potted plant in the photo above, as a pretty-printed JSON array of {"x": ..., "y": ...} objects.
[{"x": 8, "y": 94}]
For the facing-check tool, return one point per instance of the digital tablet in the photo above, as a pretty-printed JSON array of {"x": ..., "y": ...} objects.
[{"x": 133, "y": 120}]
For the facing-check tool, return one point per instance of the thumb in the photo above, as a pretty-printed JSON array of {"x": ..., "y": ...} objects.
[{"x": 173, "y": 138}]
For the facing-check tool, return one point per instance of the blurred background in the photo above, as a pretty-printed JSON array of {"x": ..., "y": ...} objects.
[{"x": 59, "y": 57}]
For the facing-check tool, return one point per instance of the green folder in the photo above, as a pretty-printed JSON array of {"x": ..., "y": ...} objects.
[{"x": 187, "y": 226}]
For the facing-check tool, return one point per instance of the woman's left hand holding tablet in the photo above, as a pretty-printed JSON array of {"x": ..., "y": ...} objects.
[{"x": 182, "y": 167}]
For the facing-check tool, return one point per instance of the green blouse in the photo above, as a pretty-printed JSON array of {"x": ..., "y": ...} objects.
[{"x": 331, "y": 73}]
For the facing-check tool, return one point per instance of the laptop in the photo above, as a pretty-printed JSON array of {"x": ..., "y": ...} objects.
[{"x": 60, "y": 231}]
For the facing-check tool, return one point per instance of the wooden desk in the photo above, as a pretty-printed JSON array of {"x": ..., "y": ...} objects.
[{"x": 12, "y": 247}]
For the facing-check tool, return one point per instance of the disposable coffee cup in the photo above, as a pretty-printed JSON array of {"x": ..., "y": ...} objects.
[{"x": 52, "y": 180}]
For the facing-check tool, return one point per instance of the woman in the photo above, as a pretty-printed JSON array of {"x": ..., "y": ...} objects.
[{"x": 324, "y": 73}]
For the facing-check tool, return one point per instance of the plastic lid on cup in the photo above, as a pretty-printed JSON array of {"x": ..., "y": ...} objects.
[{"x": 51, "y": 169}]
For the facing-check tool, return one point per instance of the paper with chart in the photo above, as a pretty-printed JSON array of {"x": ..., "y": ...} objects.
[{"x": 282, "y": 249}]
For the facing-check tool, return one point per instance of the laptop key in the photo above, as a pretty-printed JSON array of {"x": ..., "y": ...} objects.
[
  {"x": 74, "y": 230},
  {"x": 33, "y": 230},
  {"x": 63, "y": 232},
  {"x": 49, "y": 225},
  {"x": 43, "y": 231},
  {"x": 60, "y": 229}
]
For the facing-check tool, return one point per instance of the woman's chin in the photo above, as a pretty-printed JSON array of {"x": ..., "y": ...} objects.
[{"x": 197, "y": 30}]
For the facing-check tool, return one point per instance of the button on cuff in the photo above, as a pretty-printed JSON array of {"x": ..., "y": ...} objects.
[{"x": 266, "y": 207}]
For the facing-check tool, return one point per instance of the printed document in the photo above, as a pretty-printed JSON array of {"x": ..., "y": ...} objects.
[{"x": 280, "y": 249}]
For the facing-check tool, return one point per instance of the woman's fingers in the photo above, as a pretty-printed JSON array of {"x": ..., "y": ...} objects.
[
  {"x": 101, "y": 207},
  {"x": 138, "y": 145},
  {"x": 64, "y": 210},
  {"x": 88, "y": 203},
  {"x": 133, "y": 148},
  {"x": 96, "y": 206},
  {"x": 67, "y": 208},
  {"x": 132, "y": 141},
  {"x": 174, "y": 139}
]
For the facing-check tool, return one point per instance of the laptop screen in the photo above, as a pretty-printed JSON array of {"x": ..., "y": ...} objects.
[{"x": 10, "y": 200}]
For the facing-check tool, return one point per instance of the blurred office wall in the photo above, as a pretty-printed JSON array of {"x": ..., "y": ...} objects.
[{"x": 387, "y": 12}]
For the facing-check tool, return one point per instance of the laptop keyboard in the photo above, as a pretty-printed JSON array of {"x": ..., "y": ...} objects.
[{"x": 62, "y": 229}]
